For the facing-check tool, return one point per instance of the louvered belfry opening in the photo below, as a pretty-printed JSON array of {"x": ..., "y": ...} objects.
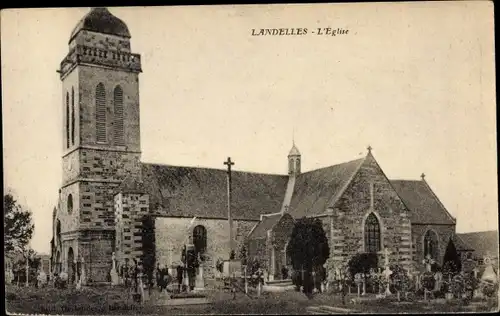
[
  {"x": 72, "y": 116},
  {"x": 119, "y": 138},
  {"x": 67, "y": 120},
  {"x": 100, "y": 101}
]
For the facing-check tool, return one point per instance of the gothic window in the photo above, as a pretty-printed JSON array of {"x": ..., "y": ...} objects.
[
  {"x": 70, "y": 204},
  {"x": 67, "y": 120},
  {"x": 200, "y": 239},
  {"x": 290, "y": 165},
  {"x": 58, "y": 232},
  {"x": 118, "y": 116},
  {"x": 372, "y": 234},
  {"x": 100, "y": 113},
  {"x": 72, "y": 116},
  {"x": 297, "y": 164},
  {"x": 431, "y": 244}
]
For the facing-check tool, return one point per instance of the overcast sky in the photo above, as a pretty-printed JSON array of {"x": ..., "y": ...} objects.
[{"x": 414, "y": 81}]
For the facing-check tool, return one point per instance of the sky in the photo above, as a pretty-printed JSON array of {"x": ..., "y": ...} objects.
[{"x": 415, "y": 81}]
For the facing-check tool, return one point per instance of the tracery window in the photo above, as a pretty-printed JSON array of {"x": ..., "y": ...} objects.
[
  {"x": 67, "y": 120},
  {"x": 72, "y": 116},
  {"x": 200, "y": 239},
  {"x": 431, "y": 244},
  {"x": 372, "y": 234}
]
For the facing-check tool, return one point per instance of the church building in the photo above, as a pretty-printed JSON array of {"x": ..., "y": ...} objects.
[{"x": 107, "y": 192}]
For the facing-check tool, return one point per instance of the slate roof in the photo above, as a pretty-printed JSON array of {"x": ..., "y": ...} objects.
[
  {"x": 202, "y": 192},
  {"x": 460, "y": 244},
  {"x": 267, "y": 223},
  {"x": 424, "y": 206},
  {"x": 482, "y": 242},
  {"x": 315, "y": 189}
]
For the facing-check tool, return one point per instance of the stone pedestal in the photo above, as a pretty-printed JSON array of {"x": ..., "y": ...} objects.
[
  {"x": 113, "y": 273},
  {"x": 199, "y": 281}
]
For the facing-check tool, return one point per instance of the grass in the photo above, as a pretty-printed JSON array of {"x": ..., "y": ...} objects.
[{"x": 116, "y": 300}]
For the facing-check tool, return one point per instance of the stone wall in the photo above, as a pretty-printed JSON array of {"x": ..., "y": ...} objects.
[
  {"x": 129, "y": 212},
  {"x": 345, "y": 229},
  {"x": 90, "y": 77},
  {"x": 171, "y": 233},
  {"x": 96, "y": 249},
  {"x": 103, "y": 41},
  {"x": 444, "y": 233}
]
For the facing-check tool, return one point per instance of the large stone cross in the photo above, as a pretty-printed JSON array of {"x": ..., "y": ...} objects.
[
  {"x": 229, "y": 163},
  {"x": 386, "y": 254},
  {"x": 428, "y": 261}
]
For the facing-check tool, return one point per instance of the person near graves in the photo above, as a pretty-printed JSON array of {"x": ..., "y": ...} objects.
[
  {"x": 284, "y": 272},
  {"x": 180, "y": 276},
  {"x": 308, "y": 284},
  {"x": 157, "y": 274}
]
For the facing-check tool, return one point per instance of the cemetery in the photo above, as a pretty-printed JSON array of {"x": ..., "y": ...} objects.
[{"x": 245, "y": 285}]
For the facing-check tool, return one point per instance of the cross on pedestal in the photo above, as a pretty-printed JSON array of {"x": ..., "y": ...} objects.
[
  {"x": 369, "y": 149},
  {"x": 428, "y": 261},
  {"x": 386, "y": 254},
  {"x": 229, "y": 163},
  {"x": 422, "y": 176}
]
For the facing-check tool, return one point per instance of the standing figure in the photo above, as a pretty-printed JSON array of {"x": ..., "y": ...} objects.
[{"x": 179, "y": 276}]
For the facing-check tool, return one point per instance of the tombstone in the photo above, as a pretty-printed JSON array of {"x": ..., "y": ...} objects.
[
  {"x": 439, "y": 281},
  {"x": 41, "y": 278},
  {"x": 387, "y": 271},
  {"x": 199, "y": 282},
  {"x": 113, "y": 273},
  {"x": 83, "y": 276},
  {"x": 357, "y": 280},
  {"x": 9, "y": 276},
  {"x": 489, "y": 274}
]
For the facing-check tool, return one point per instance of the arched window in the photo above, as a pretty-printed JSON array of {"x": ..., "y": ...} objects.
[
  {"x": 70, "y": 204},
  {"x": 372, "y": 234},
  {"x": 67, "y": 120},
  {"x": 297, "y": 164},
  {"x": 72, "y": 116},
  {"x": 200, "y": 239},
  {"x": 431, "y": 244},
  {"x": 58, "y": 232},
  {"x": 118, "y": 116},
  {"x": 100, "y": 113}
]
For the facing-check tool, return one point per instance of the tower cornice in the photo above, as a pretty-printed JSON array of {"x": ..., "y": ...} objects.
[{"x": 93, "y": 56}]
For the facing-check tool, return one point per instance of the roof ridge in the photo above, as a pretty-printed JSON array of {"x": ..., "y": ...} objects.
[
  {"x": 336, "y": 165},
  {"x": 335, "y": 198},
  {"x": 439, "y": 201},
  {"x": 212, "y": 168}
]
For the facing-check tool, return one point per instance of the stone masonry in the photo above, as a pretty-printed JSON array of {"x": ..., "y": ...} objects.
[{"x": 345, "y": 226}]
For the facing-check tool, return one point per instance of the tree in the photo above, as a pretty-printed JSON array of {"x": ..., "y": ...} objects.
[
  {"x": 18, "y": 225},
  {"x": 308, "y": 249},
  {"x": 148, "y": 246},
  {"x": 363, "y": 263},
  {"x": 308, "y": 246},
  {"x": 451, "y": 258}
]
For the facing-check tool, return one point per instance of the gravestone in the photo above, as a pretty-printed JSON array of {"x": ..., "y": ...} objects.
[
  {"x": 9, "y": 276},
  {"x": 199, "y": 283},
  {"x": 41, "y": 278},
  {"x": 113, "y": 273},
  {"x": 387, "y": 271},
  {"x": 439, "y": 281},
  {"x": 83, "y": 276}
]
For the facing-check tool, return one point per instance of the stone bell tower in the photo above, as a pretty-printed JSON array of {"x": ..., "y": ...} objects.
[{"x": 101, "y": 138}]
